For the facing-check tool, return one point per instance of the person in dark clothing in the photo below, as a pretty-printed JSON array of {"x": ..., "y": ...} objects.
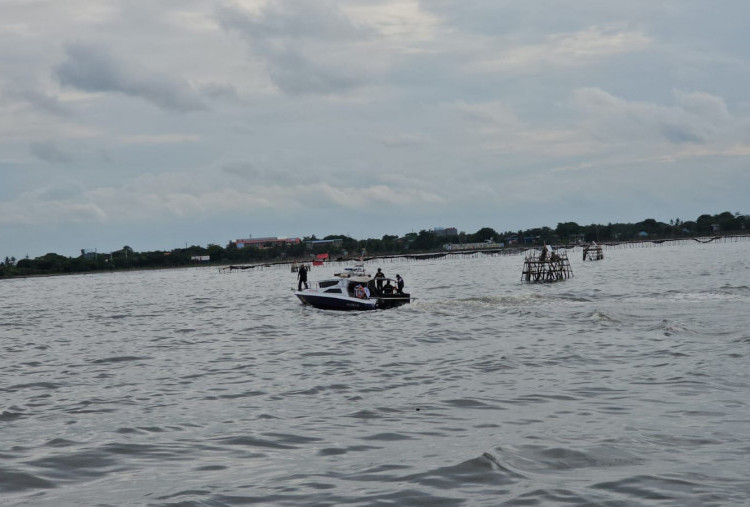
[
  {"x": 388, "y": 289},
  {"x": 399, "y": 284},
  {"x": 302, "y": 277},
  {"x": 379, "y": 277}
]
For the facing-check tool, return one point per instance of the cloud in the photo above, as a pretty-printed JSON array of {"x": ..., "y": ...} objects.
[
  {"x": 572, "y": 49},
  {"x": 613, "y": 119},
  {"x": 49, "y": 152},
  {"x": 220, "y": 91},
  {"x": 596, "y": 41},
  {"x": 491, "y": 128},
  {"x": 49, "y": 205},
  {"x": 404, "y": 140},
  {"x": 294, "y": 19},
  {"x": 144, "y": 139},
  {"x": 308, "y": 47},
  {"x": 92, "y": 69},
  {"x": 203, "y": 194},
  {"x": 704, "y": 105},
  {"x": 261, "y": 174},
  {"x": 37, "y": 99},
  {"x": 358, "y": 198},
  {"x": 296, "y": 72},
  {"x": 494, "y": 113}
]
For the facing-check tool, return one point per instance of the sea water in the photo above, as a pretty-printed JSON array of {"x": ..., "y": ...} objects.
[{"x": 628, "y": 384}]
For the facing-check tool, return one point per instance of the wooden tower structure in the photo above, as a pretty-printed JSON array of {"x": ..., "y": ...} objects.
[
  {"x": 546, "y": 265},
  {"x": 593, "y": 252}
]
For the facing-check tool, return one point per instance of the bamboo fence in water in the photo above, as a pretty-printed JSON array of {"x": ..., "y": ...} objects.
[{"x": 475, "y": 253}]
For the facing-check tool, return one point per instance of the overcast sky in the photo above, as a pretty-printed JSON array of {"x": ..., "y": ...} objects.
[{"x": 154, "y": 124}]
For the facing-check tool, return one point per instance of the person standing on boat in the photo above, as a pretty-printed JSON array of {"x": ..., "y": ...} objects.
[
  {"x": 399, "y": 284},
  {"x": 302, "y": 277},
  {"x": 379, "y": 277}
]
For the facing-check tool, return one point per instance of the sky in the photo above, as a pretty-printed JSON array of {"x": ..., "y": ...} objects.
[{"x": 158, "y": 125}]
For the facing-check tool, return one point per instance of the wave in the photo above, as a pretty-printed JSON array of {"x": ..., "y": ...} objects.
[
  {"x": 119, "y": 359},
  {"x": 601, "y": 317},
  {"x": 31, "y": 385},
  {"x": 532, "y": 458},
  {"x": 670, "y": 327},
  {"x": 12, "y": 414},
  {"x": 743, "y": 290},
  {"x": 13, "y": 481},
  {"x": 655, "y": 487}
]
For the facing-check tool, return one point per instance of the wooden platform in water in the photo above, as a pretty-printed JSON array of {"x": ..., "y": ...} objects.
[
  {"x": 545, "y": 266},
  {"x": 593, "y": 252}
]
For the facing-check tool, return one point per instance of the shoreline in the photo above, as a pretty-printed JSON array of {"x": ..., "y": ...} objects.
[{"x": 505, "y": 250}]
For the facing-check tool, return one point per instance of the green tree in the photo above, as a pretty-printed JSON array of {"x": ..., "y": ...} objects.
[
  {"x": 565, "y": 230},
  {"x": 425, "y": 240},
  {"x": 484, "y": 234},
  {"x": 215, "y": 252},
  {"x": 727, "y": 221},
  {"x": 704, "y": 224}
]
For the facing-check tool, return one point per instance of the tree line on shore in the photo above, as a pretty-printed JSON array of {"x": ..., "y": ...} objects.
[{"x": 421, "y": 242}]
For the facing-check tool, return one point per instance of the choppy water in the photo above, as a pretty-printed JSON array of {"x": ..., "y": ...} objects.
[{"x": 626, "y": 385}]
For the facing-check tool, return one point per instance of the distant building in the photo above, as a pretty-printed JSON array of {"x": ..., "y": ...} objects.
[
  {"x": 445, "y": 231},
  {"x": 200, "y": 258},
  {"x": 266, "y": 242}
]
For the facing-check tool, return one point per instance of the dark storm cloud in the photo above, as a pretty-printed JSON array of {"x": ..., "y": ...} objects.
[{"x": 91, "y": 69}]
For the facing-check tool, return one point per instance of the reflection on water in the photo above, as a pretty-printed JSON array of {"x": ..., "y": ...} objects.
[{"x": 626, "y": 384}]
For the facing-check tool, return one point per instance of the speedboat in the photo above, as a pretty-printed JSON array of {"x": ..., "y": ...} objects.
[{"x": 352, "y": 289}]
